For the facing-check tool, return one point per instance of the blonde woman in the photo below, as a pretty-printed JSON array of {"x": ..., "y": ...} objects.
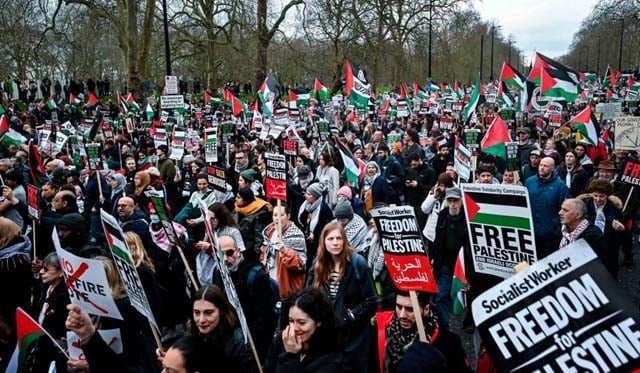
[{"x": 146, "y": 271}]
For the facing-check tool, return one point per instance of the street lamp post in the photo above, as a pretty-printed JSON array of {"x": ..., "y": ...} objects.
[
  {"x": 430, "y": 31},
  {"x": 481, "y": 54},
  {"x": 621, "y": 39},
  {"x": 493, "y": 30},
  {"x": 167, "y": 51}
]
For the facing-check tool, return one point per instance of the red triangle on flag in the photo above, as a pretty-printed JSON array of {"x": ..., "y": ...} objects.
[{"x": 472, "y": 207}]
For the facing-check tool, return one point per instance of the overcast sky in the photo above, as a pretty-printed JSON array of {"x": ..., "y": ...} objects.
[{"x": 546, "y": 26}]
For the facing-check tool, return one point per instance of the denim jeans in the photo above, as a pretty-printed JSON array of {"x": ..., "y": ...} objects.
[{"x": 443, "y": 301}]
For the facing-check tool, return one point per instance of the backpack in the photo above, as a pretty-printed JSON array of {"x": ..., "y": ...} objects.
[{"x": 273, "y": 285}]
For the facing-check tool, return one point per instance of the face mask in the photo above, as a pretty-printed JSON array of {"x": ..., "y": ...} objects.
[{"x": 155, "y": 219}]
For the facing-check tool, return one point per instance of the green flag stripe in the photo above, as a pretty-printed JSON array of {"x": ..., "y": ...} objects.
[{"x": 501, "y": 220}]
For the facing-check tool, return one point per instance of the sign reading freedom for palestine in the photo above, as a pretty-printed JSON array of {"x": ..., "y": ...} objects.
[
  {"x": 500, "y": 227},
  {"x": 565, "y": 313},
  {"x": 404, "y": 250}
]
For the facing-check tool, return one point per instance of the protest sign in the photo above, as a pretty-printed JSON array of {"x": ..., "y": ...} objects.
[
  {"x": 609, "y": 110},
  {"x": 404, "y": 251},
  {"x": 500, "y": 227},
  {"x": 171, "y": 84},
  {"x": 87, "y": 282},
  {"x": 627, "y": 133},
  {"x": 631, "y": 173},
  {"x": 111, "y": 337},
  {"x": 563, "y": 314},
  {"x": 276, "y": 176},
  {"x": 323, "y": 129},
  {"x": 177, "y": 144},
  {"x": 211, "y": 144},
  {"x": 33, "y": 194},
  {"x": 462, "y": 160},
  {"x": 512, "y": 155},
  {"x": 290, "y": 147},
  {"x": 156, "y": 197},
  {"x": 172, "y": 102},
  {"x": 217, "y": 178},
  {"x": 93, "y": 155},
  {"x": 472, "y": 139},
  {"x": 127, "y": 269}
]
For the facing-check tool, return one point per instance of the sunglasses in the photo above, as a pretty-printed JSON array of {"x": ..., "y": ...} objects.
[{"x": 229, "y": 252}]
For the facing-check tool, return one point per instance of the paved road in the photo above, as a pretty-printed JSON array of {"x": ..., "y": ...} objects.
[{"x": 629, "y": 278}]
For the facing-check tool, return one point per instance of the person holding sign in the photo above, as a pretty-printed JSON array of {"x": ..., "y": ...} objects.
[
  {"x": 397, "y": 331},
  {"x": 134, "y": 334},
  {"x": 346, "y": 278}
]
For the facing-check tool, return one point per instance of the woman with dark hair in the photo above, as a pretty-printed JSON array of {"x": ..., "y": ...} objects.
[
  {"x": 253, "y": 215},
  {"x": 346, "y": 278},
  {"x": 571, "y": 172},
  {"x": 186, "y": 355},
  {"x": 410, "y": 146},
  {"x": 310, "y": 338},
  {"x": 223, "y": 223},
  {"x": 329, "y": 177},
  {"x": 214, "y": 322}
]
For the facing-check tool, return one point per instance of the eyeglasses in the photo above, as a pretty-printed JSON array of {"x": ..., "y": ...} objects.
[{"x": 229, "y": 252}]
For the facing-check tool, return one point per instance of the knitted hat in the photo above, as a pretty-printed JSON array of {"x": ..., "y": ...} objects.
[
  {"x": 249, "y": 175},
  {"x": 315, "y": 190},
  {"x": 73, "y": 220},
  {"x": 343, "y": 210},
  {"x": 345, "y": 191},
  {"x": 422, "y": 357}
]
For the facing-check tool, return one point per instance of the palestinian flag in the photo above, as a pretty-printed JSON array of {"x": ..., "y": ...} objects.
[
  {"x": 458, "y": 284},
  {"x": 561, "y": 82},
  {"x": 9, "y": 136},
  {"x": 146, "y": 163},
  {"x": 268, "y": 94},
  {"x": 525, "y": 96},
  {"x": 351, "y": 167},
  {"x": 536, "y": 68},
  {"x": 93, "y": 99},
  {"x": 511, "y": 76},
  {"x": 2, "y": 111},
  {"x": 131, "y": 102},
  {"x": 73, "y": 100},
  {"x": 494, "y": 141},
  {"x": 51, "y": 104},
  {"x": 458, "y": 90},
  {"x": 402, "y": 90},
  {"x": 300, "y": 96},
  {"x": 37, "y": 172},
  {"x": 587, "y": 125},
  {"x": 149, "y": 112},
  {"x": 609, "y": 79},
  {"x": 97, "y": 124},
  {"x": 476, "y": 99},
  {"x": 493, "y": 209},
  {"x": 432, "y": 87},
  {"x": 358, "y": 89},
  {"x": 588, "y": 77},
  {"x": 237, "y": 106},
  {"x": 503, "y": 95},
  {"x": 210, "y": 100},
  {"x": 28, "y": 332},
  {"x": 123, "y": 104},
  {"x": 419, "y": 92},
  {"x": 319, "y": 92}
]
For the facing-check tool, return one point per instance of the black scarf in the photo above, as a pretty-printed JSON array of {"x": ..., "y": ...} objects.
[{"x": 399, "y": 339}]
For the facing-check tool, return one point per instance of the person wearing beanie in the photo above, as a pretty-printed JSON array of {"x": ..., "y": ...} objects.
[
  {"x": 313, "y": 215},
  {"x": 346, "y": 194},
  {"x": 354, "y": 226},
  {"x": 404, "y": 352},
  {"x": 253, "y": 215},
  {"x": 251, "y": 179}
]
